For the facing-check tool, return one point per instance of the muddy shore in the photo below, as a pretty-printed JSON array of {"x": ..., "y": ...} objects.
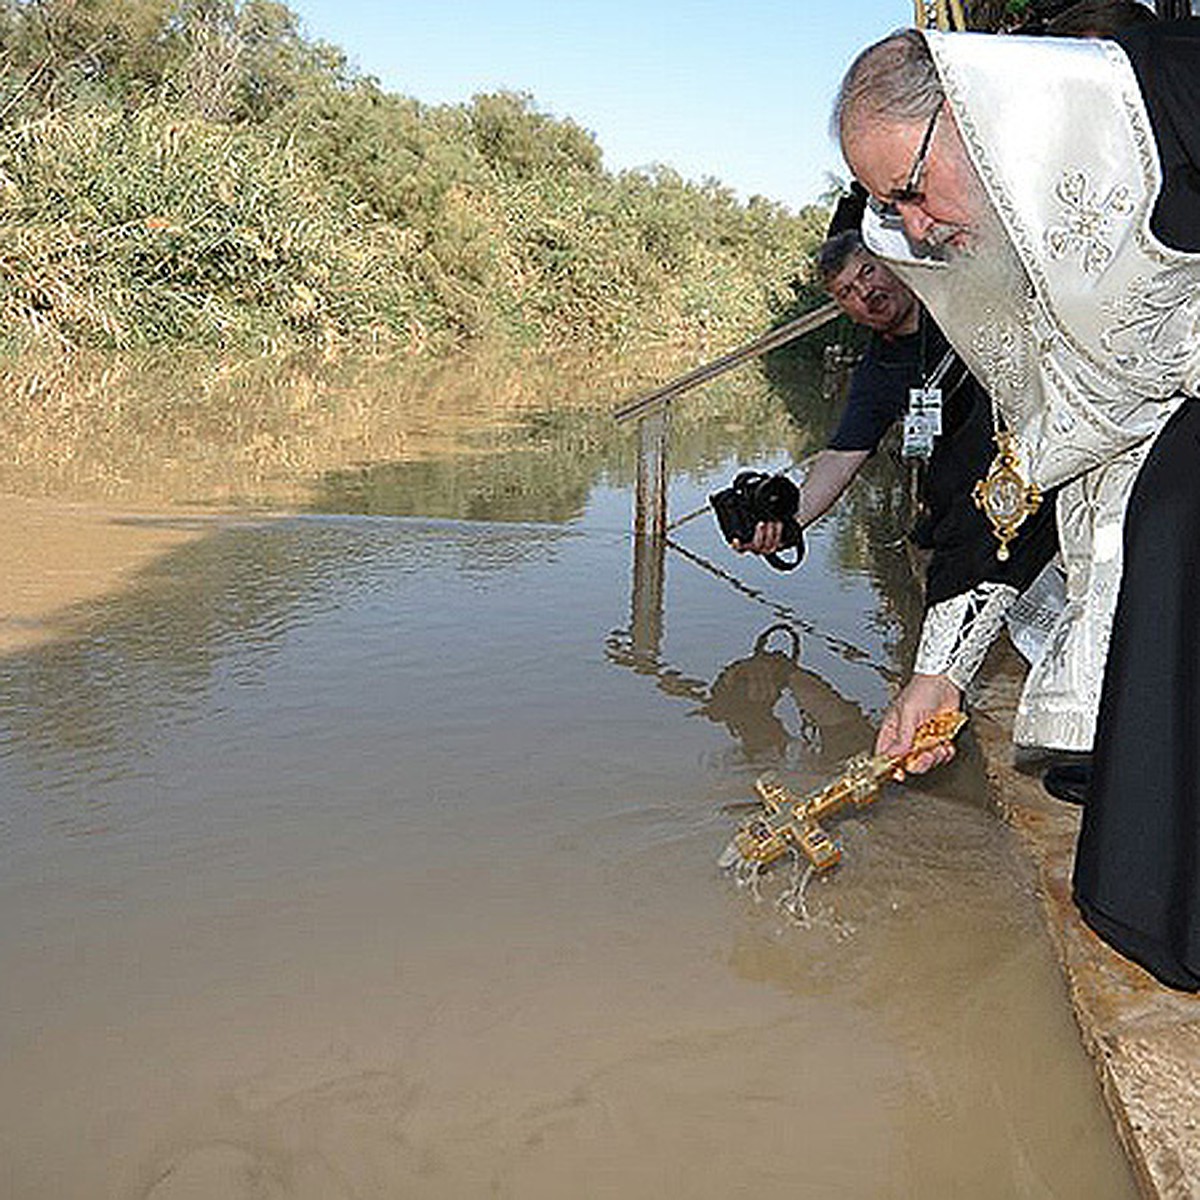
[{"x": 1143, "y": 1039}]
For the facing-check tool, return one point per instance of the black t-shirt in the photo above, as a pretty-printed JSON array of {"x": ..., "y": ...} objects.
[{"x": 878, "y": 392}]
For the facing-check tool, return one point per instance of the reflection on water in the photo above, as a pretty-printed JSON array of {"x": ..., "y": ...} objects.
[
  {"x": 483, "y": 439},
  {"x": 749, "y": 694},
  {"x": 372, "y": 855}
]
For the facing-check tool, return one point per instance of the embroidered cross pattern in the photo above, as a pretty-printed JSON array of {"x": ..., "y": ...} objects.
[{"x": 1088, "y": 221}]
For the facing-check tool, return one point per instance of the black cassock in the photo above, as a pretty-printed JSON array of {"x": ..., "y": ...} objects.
[{"x": 1137, "y": 867}]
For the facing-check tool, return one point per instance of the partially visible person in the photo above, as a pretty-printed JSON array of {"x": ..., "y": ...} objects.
[
  {"x": 1049, "y": 196},
  {"x": 1084, "y": 18},
  {"x": 907, "y": 351},
  {"x": 873, "y": 297},
  {"x": 1099, "y": 18}
]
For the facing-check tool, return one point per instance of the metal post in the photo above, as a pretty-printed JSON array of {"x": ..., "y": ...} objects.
[
  {"x": 646, "y": 601},
  {"x": 650, "y": 515},
  {"x": 650, "y": 533}
]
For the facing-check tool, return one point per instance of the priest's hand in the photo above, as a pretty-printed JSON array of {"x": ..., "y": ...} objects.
[{"x": 920, "y": 699}]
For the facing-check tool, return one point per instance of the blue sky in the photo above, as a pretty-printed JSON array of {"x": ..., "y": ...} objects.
[{"x": 735, "y": 89}]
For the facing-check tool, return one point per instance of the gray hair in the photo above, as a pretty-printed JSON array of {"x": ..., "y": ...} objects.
[{"x": 893, "y": 82}]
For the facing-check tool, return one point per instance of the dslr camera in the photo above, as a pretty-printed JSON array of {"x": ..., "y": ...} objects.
[{"x": 755, "y": 496}]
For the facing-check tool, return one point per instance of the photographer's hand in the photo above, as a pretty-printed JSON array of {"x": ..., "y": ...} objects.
[
  {"x": 768, "y": 538},
  {"x": 826, "y": 477}
]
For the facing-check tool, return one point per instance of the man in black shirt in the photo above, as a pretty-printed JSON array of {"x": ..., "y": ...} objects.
[
  {"x": 907, "y": 351},
  {"x": 870, "y": 295}
]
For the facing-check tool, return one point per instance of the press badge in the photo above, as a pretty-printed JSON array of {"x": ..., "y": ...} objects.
[{"x": 922, "y": 422}]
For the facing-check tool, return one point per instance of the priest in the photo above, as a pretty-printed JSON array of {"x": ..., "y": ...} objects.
[{"x": 1042, "y": 197}]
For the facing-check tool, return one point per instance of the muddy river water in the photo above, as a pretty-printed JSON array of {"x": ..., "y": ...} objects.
[{"x": 361, "y": 804}]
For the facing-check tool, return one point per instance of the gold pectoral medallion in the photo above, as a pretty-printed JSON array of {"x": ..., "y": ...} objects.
[{"x": 1004, "y": 496}]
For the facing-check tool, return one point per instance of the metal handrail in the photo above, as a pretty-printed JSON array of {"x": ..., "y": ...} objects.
[{"x": 772, "y": 340}]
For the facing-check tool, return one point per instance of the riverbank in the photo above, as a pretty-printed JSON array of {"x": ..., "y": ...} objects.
[
  {"x": 1143, "y": 1039},
  {"x": 213, "y": 180},
  {"x": 61, "y": 557}
]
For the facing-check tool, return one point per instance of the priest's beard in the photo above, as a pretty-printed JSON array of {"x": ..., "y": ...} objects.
[
  {"x": 985, "y": 289},
  {"x": 987, "y": 272}
]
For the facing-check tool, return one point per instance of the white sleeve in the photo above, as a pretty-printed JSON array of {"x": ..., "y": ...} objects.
[{"x": 957, "y": 632}]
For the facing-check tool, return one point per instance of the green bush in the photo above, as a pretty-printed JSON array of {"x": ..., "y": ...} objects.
[
  {"x": 128, "y": 230},
  {"x": 194, "y": 171}
]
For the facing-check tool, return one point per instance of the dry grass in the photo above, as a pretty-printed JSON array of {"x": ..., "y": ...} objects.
[{"x": 127, "y": 231}]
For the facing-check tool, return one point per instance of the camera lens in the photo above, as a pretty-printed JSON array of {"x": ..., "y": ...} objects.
[{"x": 777, "y": 497}]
